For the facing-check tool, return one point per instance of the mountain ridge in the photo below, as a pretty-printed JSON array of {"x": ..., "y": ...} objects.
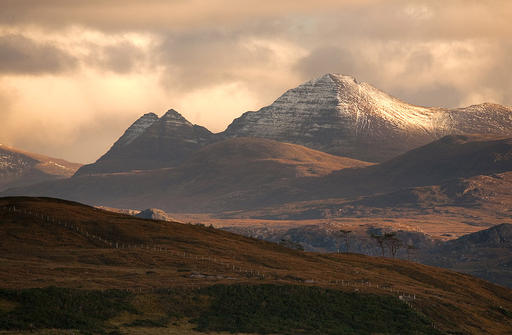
[
  {"x": 339, "y": 115},
  {"x": 21, "y": 168},
  {"x": 333, "y": 113},
  {"x": 151, "y": 143}
]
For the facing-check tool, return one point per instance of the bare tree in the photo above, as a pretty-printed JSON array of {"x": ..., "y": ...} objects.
[
  {"x": 346, "y": 238},
  {"x": 393, "y": 243},
  {"x": 388, "y": 241},
  {"x": 380, "y": 239}
]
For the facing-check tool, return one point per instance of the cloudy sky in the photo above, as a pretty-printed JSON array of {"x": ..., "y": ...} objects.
[{"x": 75, "y": 74}]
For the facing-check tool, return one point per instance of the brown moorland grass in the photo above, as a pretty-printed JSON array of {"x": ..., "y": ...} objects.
[{"x": 47, "y": 242}]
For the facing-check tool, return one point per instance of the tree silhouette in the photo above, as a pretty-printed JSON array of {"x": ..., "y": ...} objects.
[
  {"x": 393, "y": 243},
  {"x": 388, "y": 241},
  {"x": 380, "y": 242},
  {"x": 346, "y": 238}
]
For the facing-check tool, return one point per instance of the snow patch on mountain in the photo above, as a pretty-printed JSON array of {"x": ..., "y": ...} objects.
[
  {"x": 14, "y": 163},
  {"x": 337, "y": 114},
  {"x": 137, "y": 128},
  {"x": 173, "y": 118}
]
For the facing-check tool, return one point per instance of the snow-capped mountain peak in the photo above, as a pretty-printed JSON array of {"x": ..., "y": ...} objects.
[
  {"x": 137, "y": 128},
  {"x": 337, "y": 114},
  {"x": 173, "y": 117}
]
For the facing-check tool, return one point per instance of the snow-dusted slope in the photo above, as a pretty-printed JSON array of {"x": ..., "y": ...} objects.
[
  {"x": 20, "y": 168},
  {"x": 335, "y": 113},
  {"x": 136, "y": 129}
]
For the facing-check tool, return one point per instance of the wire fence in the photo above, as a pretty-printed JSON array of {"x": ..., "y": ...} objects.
[{"x": 207, "y": 261}]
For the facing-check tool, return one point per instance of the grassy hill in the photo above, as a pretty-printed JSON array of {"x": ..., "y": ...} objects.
[{"x": 49, "y": 242}]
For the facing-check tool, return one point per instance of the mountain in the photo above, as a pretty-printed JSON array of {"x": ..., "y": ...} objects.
[
  {"x": 159, "y": 265},
  {"x": 334, "y": 114},
  {"x": 338, "y": 115},
  {"x": 229, "y": 174},
  {"x": 21, "y": 168},
  {"x": 152, "y": 143}
]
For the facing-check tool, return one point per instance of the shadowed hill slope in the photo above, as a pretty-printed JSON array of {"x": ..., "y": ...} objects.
[
  {"x": 248, "y": 173},
  {"x": 228, "y": 174},
  {"x": 452, "y": 157}
]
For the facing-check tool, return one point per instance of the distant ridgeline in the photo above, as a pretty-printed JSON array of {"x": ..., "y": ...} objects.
[{"x": 333, "y": 113}]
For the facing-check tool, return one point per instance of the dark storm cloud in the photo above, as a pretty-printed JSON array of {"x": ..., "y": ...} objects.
[
  {"x": 21, "y": 55},
  {"x": 377, "y": 18}
]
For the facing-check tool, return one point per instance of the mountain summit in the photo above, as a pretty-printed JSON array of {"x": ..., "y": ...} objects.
[
  {"x": 339, "y": 115},
  {"x": 152, "y": 143}
]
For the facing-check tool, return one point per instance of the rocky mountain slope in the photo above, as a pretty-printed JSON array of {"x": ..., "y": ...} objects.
[
  {"x": 492, "y": 192},
  {"x": 20, "y": 168},
  {"x": 152, "y": 143},
  {"x": 339, "y": 115}
]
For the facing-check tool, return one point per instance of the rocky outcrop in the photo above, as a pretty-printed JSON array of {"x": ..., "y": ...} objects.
[{"x": 155, "y": 214}]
